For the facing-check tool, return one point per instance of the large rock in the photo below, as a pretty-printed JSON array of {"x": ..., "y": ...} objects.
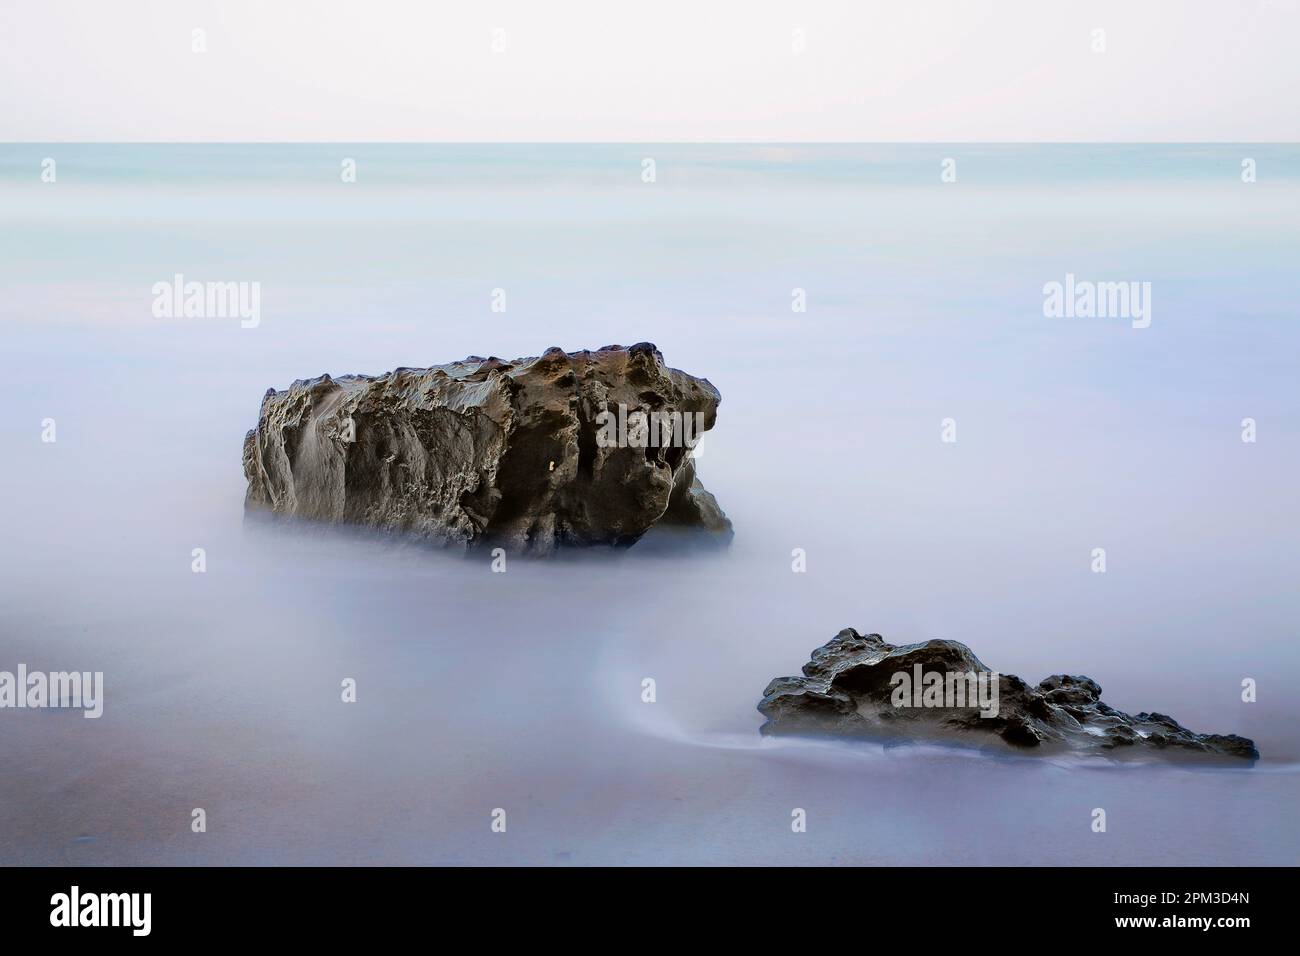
[
  {"x": 487, "y": 452},
  {"x": 849, "y": 689}
]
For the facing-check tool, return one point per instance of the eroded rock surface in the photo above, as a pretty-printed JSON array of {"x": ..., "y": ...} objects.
[
  {"x": 488, "y": 452},
  {"x": 849, "y": 688}
]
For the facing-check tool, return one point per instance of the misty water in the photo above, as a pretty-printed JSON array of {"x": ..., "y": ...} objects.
[{"x": 523, "y": 691}]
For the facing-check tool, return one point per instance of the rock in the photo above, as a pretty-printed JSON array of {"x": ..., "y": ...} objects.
[
  {"x": 533, "y": 454},
  {"x": 850, "y": 688}
]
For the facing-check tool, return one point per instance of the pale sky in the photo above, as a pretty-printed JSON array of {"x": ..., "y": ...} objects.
[{"x": 659, "y": 70}]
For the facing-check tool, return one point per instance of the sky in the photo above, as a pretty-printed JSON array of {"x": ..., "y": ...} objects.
[{"x": 670, "y": 71}]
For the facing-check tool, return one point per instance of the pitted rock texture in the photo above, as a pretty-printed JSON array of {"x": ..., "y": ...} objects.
[
  {"x": 488, "y": 452},
  {"x": 848, "y": 690}
]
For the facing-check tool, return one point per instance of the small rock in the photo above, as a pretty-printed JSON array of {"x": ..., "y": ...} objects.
[{"x": 851, "y": 688}]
